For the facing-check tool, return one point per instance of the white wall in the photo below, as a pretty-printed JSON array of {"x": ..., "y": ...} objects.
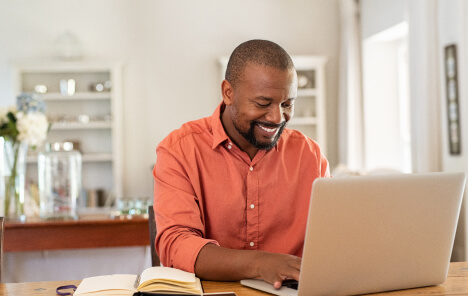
[
  {"x": 170, "y": 51},
  {"x": 379, "y": 15}
]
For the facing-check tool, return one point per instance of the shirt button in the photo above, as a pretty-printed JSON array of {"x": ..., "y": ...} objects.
[
  {"x": 229, "y": 146},
  {"x": 251, "y": 168},
  {"x": 252, "y": 206},
  {"x": 252, "y": 244}
]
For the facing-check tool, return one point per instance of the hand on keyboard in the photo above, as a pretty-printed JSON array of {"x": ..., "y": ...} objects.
[{"x": 293, "y": 284}]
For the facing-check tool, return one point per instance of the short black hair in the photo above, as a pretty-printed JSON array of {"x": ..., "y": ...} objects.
[{"x": 258, "y": 52}]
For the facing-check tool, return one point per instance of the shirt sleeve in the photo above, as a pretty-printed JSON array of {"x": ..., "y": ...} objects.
[
  {"x": 179, "y": 218},
  {"x": 325, "y": 167}
]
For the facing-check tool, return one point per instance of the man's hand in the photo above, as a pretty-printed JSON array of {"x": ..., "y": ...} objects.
[
  {"x": 275, "y": 268},
  {"x": 221, "y": 264}
]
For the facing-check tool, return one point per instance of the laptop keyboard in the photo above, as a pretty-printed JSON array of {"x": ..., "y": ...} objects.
[{"x": 293, "y": 284}]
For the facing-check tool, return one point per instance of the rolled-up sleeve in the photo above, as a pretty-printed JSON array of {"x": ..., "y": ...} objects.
[{"x": 178, "y": 213}]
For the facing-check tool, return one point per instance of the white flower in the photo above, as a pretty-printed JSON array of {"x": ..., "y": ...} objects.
[{"x": 32, "y": 128}]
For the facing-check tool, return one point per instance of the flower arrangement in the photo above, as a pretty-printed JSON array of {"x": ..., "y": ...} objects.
[
  {"x": 26, "y": 122},
  {"x": 21, "y": 126}
]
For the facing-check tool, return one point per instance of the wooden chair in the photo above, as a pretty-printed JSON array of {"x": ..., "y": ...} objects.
[
  {"x": 2, "y": 228},
  {"x": 152, "y": 232}
]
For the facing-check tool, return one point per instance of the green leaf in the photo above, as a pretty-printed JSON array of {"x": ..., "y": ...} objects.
[
  {"x": 11, "y": 117},
  {"x": 13, "y": 130}
]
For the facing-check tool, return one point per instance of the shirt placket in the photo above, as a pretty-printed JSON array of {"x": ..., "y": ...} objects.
[
  {"x": 252, "y": 208},
  {"x": 252, "y": 198}
]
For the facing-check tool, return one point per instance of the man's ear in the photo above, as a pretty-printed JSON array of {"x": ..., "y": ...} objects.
[{"x": 228, "y": 92}]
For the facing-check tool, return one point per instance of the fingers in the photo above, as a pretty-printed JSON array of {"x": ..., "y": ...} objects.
[
  {"x": 277, "y": 285},
  {"x": 278, "y": 281},
  {"x": 275, "y": 268}
]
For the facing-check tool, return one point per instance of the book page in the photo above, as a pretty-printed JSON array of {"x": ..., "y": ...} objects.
[
  {"x": 107, "y": 282},
  {"x": 167, "y": 287},
  {"x": 166, "y": 274}
]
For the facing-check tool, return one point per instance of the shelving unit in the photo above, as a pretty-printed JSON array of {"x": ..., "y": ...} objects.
[
  {"x": 91, "y": 118},
  {"x": 79, "y": 125},
  {"x": 310, "y": 112}
]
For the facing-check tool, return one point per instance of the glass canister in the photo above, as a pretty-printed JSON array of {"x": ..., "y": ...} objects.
[{"x": 59, "y": 169}]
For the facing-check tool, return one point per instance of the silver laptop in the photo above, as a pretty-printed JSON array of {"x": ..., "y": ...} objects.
[{"x": 377, "y": 233}]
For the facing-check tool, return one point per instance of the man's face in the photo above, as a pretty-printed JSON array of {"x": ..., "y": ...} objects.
[{"x": 260, "y": 105}]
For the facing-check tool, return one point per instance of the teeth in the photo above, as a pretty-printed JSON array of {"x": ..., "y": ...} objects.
[{"x": 270, "y": 130}]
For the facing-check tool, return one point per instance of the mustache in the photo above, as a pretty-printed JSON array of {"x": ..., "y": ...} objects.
[{"x": 269, "y": 124}]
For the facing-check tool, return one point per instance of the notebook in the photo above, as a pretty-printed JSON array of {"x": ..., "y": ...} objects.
[{"x": 377, "y": 233}]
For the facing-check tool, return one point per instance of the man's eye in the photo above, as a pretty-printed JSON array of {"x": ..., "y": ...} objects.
[
  {"x": 262, "y": 105},
  {"x": 287, "y": 105}
]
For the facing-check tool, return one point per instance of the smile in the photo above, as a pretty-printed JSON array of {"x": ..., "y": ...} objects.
[{"x": 269, "y": 130}]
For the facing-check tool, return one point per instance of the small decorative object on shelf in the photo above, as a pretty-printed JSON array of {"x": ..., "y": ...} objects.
[
  {"x": 68, "y": 46},
  {"x": 67, "y": 87},
  {"x": 59, "y": 169},
  {"x": 101, "y": 86},
  {"x": 128, "y": 207},
  {"x": 20, "y": 128},
  {"x": 40, "y": 88},
  {"x": 302, "y": 81}
]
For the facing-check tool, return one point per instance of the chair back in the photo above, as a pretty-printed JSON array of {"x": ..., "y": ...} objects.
[
  {"x": 2, "y": 228},
  {"x": 152, "y": 232}
]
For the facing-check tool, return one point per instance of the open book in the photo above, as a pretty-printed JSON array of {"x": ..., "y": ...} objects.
[{"x": 153, "y": 280}]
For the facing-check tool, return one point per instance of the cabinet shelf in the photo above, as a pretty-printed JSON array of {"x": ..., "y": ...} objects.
[
  {"x": 96, "y": 157},
  {"x": 303, "y": 120},
  {"x": 81, "y": 126},
  {"x": 88, "y": 157},
  {"x": 76, "y": 96},
  {"x": 90, "y": 118}
]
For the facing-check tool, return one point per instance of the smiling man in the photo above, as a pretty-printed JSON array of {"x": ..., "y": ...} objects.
[{"x": 232, "y": 190}]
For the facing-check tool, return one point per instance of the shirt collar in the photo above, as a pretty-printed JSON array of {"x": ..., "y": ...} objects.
[{"x": 219, "y": 135}]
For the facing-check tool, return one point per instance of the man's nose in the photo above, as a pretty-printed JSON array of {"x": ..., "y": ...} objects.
[{"x": 276, "y": 114}]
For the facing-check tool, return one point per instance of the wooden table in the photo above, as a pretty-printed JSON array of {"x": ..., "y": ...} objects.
[
  {"x": 91, "y": 231},
  {"x": 456, "y": 284}
]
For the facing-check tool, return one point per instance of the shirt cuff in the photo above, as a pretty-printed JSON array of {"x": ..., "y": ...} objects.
[{"x": 186, "y": 256}]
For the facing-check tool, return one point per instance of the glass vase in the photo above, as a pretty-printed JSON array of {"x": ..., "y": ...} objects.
[
  {"x": 59, "y": 179},
  {"x": 14, "y": 178}
]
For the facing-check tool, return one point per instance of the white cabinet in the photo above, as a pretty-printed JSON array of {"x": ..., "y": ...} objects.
[
  {"x": 309, "y": 111},
  {"x": 87, "y": 115}
]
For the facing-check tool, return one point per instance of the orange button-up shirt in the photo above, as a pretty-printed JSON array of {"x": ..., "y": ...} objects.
[{"x": 207, "y": 190}]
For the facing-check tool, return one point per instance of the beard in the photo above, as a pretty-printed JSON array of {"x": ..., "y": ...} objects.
[{"x": 250, "y": 136}]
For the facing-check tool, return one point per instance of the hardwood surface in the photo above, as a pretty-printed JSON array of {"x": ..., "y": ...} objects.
[
  {"x": 456, "y": 284},
  {"x": 87, "y": 232}
]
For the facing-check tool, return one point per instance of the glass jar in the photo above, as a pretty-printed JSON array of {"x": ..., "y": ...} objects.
[{"x": 59, "y": 169}]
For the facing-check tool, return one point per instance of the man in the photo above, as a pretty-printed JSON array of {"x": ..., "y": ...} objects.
[{"x": 232, "y": 190}]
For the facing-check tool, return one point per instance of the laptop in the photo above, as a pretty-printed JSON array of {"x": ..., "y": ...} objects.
[{"x": 377, "y": 233}]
